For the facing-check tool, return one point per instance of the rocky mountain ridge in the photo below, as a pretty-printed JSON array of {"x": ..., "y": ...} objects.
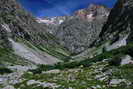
[
  {"x": 77, "y": 32},
  {"x": 92, "y": 12}
]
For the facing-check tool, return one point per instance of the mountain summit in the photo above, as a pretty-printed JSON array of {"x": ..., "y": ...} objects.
[{"x": 93, "y": 12}]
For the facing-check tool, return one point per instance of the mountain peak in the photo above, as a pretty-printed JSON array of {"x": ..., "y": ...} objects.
[{"x": 92, "y": 12}]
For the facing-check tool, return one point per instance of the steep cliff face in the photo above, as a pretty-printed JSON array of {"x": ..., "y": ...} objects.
[
  {"x": 120, "y": 22},
  {"x": 79, "y": 32}
]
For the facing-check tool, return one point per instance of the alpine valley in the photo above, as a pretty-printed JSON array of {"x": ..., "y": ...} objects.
[{"x": 91, "y": 49}]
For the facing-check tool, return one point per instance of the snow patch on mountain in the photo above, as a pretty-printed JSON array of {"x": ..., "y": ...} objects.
[{"x": 51, "y": 21}]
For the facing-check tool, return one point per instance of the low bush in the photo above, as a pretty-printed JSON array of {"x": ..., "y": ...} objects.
[
  {"x": 4, "y": 70},
  {"x": 116, "y": 60},
  {"x": 114, "y": 55}
]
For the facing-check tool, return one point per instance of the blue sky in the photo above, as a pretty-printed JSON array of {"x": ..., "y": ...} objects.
[{"x": 41, "y": 8}]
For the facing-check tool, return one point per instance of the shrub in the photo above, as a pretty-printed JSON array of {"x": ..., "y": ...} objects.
[
  {"x": 115, "y": 56},
  {"x": 116, "y": 60},
  {"x": 42, "y": 68},
  {"x": 4, "y": 70}
]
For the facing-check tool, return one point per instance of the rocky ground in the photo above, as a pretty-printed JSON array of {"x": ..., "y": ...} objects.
[{"x": 100, "y": 75}]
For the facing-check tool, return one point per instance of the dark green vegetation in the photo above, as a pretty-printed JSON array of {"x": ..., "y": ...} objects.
[
  {"x": 4, "y": 70},
  {"x": 113, "y": 56},
  {"x": 8, "y": 57},
  {"x": 55, "y": 50}
]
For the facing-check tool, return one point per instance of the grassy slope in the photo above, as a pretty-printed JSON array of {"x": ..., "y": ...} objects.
[
  {"x": 116, "y": 53},
  {"x": 80, "y": 74},
  {"x": 8, "y": 57},
  {"x": 54, "y": 50}
]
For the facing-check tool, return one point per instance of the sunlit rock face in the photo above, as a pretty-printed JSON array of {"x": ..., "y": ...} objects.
[{"x": 93, "y": 12}]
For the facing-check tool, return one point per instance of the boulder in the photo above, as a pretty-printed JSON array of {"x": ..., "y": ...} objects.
[
  {"x": 9, "y": 87},
  {"x": 126, "y": 60}
]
